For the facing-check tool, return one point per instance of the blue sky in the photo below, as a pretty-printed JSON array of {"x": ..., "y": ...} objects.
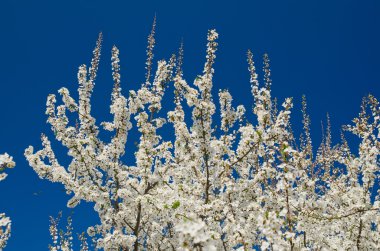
[{"x": 327, "y": 50}]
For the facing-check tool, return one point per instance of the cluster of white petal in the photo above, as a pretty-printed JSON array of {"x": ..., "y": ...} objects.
[
  {"x": 192, "y": 235},
  {"x": 217, "y": 186},
  {"x": 6, "y": 161},
  {"x": 5, "y": 230}
]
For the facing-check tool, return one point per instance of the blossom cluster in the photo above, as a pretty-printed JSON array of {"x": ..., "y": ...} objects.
[{"x": 6, "y": 161}]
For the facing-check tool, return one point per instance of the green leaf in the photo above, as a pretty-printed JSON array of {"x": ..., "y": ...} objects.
[{"x": 176, "y": 204}]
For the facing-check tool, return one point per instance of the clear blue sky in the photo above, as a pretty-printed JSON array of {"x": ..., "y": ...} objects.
[{"x": 327, "y": 50}]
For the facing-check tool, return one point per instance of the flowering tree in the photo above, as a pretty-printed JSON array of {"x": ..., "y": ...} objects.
[
  {"x": 224, "y": 185},
  {"x": 6, "y": 161}
]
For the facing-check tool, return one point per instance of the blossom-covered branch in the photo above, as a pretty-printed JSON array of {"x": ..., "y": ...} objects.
[{"x": 6, "y": 161}]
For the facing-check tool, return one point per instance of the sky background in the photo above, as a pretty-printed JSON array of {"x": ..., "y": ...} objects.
[{"x": 327, "y": 50}]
